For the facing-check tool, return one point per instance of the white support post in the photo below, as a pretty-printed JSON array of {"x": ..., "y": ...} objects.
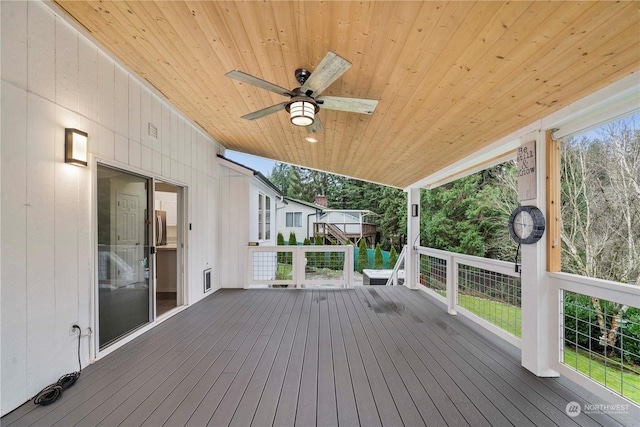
[
  {"x": 413, "y": 236},
  {"x": 348, "y": 267},
  {"x": 452, "y": 285},
  {"x": 539, "y": 302},
  {"x": 299, "y": 265}
]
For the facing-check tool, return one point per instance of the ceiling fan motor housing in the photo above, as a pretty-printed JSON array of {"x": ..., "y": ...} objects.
[{"x": 302, "y": 75}]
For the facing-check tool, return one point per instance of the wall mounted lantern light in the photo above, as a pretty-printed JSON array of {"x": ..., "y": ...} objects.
[
  {"x": 75, "y": 149},
  {"x": 414, "y": 210}
]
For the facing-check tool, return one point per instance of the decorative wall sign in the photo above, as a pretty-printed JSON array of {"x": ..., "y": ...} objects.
[{"x": 527, "y": 174}]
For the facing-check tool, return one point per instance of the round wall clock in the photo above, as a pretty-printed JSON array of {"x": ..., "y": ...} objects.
[{"x": 526, "y": 224}]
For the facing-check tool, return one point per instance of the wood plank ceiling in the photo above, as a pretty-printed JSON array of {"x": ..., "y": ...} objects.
[{"x": 451, "y": 77}]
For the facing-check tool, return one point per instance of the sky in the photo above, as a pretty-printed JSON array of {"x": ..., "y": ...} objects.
[{"x": 256, "y": 163}]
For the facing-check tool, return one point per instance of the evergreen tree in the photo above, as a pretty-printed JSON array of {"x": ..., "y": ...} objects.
[
  {"x": 363, "y": 255},
  {"x": 295, "y": 187},
  {"x": 280, "y": 176},
  {"x": 334, "y": 260},
  {"x": 292, "y": 243},
  {"x": 318, "y": 256},
  {"x": 378, "y": 259},
  {"x": 282, "y": 256},
  {"x": 292, "y": 239},
  {"x": 306, "y": 242},
  {"x": 393, "y": 257}
]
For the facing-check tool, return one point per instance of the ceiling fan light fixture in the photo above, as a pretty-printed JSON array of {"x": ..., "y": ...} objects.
[{"x": 302, "y": 113}]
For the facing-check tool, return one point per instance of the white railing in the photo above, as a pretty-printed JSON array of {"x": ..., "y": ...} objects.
[
  {"x": 485, "y": 290},
  {"x": 592, "y": 351},
  {"x": 488, "y": 292},
  {"x": 399, "y": 267},
  {"x": 300, "y": 266}
]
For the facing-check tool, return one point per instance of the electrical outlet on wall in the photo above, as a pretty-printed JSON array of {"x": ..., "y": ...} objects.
[{"x": 74, "y": 329}]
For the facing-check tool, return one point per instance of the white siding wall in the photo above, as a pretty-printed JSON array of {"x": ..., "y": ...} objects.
[
  {"x": 238, "y": 224},
  {"x": 52, "y": 78},
  {"x": 233, "y": 232}
]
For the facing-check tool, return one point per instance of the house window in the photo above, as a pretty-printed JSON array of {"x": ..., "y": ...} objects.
[
  {"x": 294, "y": 219},
  {"x": 267, "y": 217},
  {"x": 264, "y": 217}
]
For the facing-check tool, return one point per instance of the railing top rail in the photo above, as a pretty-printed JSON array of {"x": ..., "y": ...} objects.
[
  {"x": 612, "y": 291},
  {"x": 499, "y": 266}
]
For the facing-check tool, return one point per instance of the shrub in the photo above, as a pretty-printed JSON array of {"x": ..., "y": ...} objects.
[
  {"x": 363, "y": 255},
  {"x": 318, "y": 258},
  {"x": 282, "y": 256},
  {"x": 334, "y": 260},
  {"x": 393, "y": 257},
  {"x": 378, "y": 259},
  {"x": 292, "y": 239}
]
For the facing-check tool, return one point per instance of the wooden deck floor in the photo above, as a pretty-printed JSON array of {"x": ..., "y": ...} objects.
[{"x": 370, "y": 356}]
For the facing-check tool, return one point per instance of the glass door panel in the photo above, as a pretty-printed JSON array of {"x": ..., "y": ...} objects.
[{"x": 123, "y": 254}]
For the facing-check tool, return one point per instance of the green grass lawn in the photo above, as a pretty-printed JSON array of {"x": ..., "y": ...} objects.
[
  {"x": 626, "y": 383},
  {"x": 509, "y": 318},
  {"x": 505, "y": 316}
]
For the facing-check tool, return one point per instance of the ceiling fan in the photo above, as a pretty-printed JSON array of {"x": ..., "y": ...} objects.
[{"x": 305, "y": 101}]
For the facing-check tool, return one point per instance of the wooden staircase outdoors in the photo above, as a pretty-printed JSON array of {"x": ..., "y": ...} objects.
[{"x": 331, "y": 233}]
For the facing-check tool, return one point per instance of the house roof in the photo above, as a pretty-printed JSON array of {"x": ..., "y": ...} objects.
[
  {"x": 259, "y": 175},
  {"x": 308, "y": 204},
  {"x": 451, "y": 77}
]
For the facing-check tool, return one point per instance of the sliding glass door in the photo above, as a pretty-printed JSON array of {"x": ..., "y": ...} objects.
[{"x": 124, "y": 230}]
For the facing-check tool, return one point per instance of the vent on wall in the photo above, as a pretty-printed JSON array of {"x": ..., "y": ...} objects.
[
  {"x": 207, "y": 280},
  {"x": 153, "y": 131}
]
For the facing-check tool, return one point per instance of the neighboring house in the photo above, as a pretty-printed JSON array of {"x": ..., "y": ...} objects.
[
  {"x": 307, "y": 219},
  {"x": 251, "y": 219},
  {"x": 341, "y": 224},
  {"x": 298, "y": 217}
]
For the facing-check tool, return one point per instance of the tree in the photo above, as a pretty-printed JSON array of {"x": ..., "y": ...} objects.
[
  {"x": 318, "y": 257},
  {"x": 600, "y": 185},
  {"x": 334, "y": 260},
  {"x": 280, "y": 176},
  {"x": 282, "y": 256},
  {"x": 292, "y": 239},
  {"x": 470, "y": 214},
  {"x": 393, "y": 257},
  {"x": 295, "y": 187},
  {"x": 378, "y": 259},
  {"x": 363, "y": 255}
]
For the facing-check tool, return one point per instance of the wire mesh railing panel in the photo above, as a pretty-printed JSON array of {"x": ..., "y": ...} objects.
[
  {"x": 493, "y": 296},
  {"x": 299, "y": 266},
  {"x": 433, "y": 274},
  {"x": 272, "y": 269},
  {"x": 602, "y": 341},
  {"x": 324, "y": 268}
]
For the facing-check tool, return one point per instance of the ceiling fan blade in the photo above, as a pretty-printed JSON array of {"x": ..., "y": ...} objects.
[
  {"x": 328, "y": 70},
  {"x": 316, "y": 126},
  {"x": 265, "y": 111},
  {"x": 252, "y": 80},
  {"x": 353, "y": 105}
]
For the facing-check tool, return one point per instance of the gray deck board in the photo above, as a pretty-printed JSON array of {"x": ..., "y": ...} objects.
[
  {"x": 370, "y": 356},
  {"x": 365, "y": 402},
  {"x": 345, "y": 399},
  {"x": 402, "y": 397}
]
